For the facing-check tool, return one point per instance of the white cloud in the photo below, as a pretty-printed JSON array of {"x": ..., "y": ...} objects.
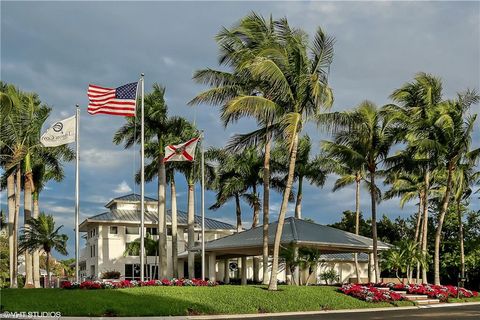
[
  {"x": 123, "y": 188},
  {"x": 168, "y": 61}
]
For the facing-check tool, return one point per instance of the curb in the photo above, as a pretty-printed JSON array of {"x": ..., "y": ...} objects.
[
  {"x": 268, "y": 315},
  {"x": 292, "y": 314}
]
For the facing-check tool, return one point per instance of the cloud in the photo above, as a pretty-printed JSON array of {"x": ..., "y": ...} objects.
[{"x": 123, "y": 187}]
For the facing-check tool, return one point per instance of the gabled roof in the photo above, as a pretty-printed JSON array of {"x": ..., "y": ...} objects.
[
  {"x": 297, "y": 231},
  {"x": 133, "y": 216},
  {"x": 132, "y": 197}
]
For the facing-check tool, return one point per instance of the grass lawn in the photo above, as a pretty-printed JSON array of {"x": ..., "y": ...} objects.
[
  {"x": 163, "y": 301},
  {"x": 474, "y": 299}
]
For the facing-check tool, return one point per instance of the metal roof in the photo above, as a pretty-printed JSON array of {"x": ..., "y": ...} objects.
[
  {"x": 152, "y": 218},
  {"x": 132, "y": 197},
  {"x": 301, "y": 232},
  {"x": 362, "y": 257}
]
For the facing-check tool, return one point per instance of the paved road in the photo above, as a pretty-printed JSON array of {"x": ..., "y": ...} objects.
[{"x": 444, "y": 313}]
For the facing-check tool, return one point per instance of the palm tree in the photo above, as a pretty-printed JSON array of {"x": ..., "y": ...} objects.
[
  {"x": 21, "y": 127},
  {"x": 464, "y": 177},
  {"x": 365, "y": 141},
  {"x": 313, "y": 170},
  {"x": 40, "y": 234},
  {"x": 454, "y": 134},
  {"x": 297, "y": 91},
  {"x": 415, "y": 118},
  {"x": 251, "y": 35},
  {"x": 157, "y": 128},
  {"x": 350, "y": 170}
]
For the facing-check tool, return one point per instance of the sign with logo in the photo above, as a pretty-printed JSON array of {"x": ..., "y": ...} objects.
[{"x": 61, "y": 132}]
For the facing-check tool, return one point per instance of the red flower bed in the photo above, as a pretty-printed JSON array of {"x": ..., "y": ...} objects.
[
  {"x": 90, "y": 285},
  {"x": 370, "y": 293},
  {"x": 432, "y": 291}
]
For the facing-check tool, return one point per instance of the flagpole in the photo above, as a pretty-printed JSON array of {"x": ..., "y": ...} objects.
[
  {"x": 203, "y": 207},
  {"x": 142, "y": 187},
  {"x": 77, "y": 192}
]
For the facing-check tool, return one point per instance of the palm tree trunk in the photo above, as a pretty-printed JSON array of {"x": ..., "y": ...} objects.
[
  {"x": 47, "y": 285},
  {"x": 283, "y": 210},
  {"x": 191, "y": 230},
  {"x": 266, "y": 204},
  {"x": 255, "y": 221},
  {"x": 173, "y": 194},
  {"x": 419, "y": 233},
  {"x": 373, "y": 193},
  {"x": 36, "y": 256},
  {"x": 238, "y": 211},
  {"x": 27, "y": 214},
  {"x": 18, "y": 189},
  {"x": 298, "y": 204},
  {"x": 438, "y": 233},
  {"x": 357, "y": 221},
  {"x": 162, "y": 212},
  {"x": 11, "y": 228},
  {"x": 425, "y": 224},
  {"x": 460, "y": 236}
]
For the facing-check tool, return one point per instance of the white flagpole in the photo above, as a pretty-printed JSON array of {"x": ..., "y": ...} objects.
[
  {"x": 203, "y": 207},
  {"x": 77, "y": 192},
  {"x": 142, "y": 188}
]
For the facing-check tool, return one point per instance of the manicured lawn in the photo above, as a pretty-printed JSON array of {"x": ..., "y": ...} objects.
[
  {"x": 474, "y": 299},
  {"x": 159, "y": 301}
]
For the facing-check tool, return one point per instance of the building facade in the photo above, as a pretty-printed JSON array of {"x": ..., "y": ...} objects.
[{"x": 109, "y": 235}]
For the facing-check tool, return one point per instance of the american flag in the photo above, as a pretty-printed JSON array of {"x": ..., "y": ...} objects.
[{"x": 118, "y": 101}]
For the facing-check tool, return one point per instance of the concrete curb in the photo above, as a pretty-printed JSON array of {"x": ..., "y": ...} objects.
[{"x": 265, "y": 315}]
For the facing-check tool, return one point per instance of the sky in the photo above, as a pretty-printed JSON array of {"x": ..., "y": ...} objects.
[{"x": 57, "y": 48}]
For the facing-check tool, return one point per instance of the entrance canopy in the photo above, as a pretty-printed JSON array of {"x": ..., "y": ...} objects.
[{"x": 295, "y": 231}]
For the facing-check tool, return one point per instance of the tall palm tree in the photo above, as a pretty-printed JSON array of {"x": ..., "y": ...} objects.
[
  {"x": 454, "y": 134},
  {"x": 415, "y": 118},
  {"x": 41, "y": 234},
  {"x": 464, "y": 177},
  {"x": 350, "y": 170},
  {"x": 314, "y": 170},
  {"x": 298, "y": 90},
  {"x": 157, "y": 128},
  {"x": 365, "y": 140},
  {"x": 251, "y": 35},
  {"x": 21, "y": 127}
]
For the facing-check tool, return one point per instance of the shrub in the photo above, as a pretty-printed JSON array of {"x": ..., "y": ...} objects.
[
  {"x": 329, "y": 276},
  {"x": 111, "y": 274}
]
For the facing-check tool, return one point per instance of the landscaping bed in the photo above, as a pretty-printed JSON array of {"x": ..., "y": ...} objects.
[
  {"x": 172, "y": 300},
  {"x": 373, "y": 292}
]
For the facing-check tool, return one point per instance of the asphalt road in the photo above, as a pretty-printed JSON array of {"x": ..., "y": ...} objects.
[{"x": 444, "y": 313}]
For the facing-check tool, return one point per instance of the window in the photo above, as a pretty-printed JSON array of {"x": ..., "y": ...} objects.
[
  {"x": 169, "y": 231},
  {"x": 113, "y": 230},
  {"x": 152, "y": 231},
  {"x": 132, "y": 230},
  {"x": 92, "y": 251}
]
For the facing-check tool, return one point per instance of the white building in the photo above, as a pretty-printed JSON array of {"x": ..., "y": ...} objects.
[{"x": 107, "y": 235}]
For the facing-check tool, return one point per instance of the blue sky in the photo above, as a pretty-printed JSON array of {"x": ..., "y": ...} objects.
[{"x": 57, "y": 48}]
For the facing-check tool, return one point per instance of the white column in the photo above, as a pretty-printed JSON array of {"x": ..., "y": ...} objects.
[
  {"x": 243, "y": 270},
  {"x": 226, "y": 272},
  {"x": 211, "y": 266}
]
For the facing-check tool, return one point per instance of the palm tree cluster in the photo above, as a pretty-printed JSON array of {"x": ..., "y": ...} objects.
[
  {"x": 274, "y": 75},
  {"x": 27, "y": 167}
]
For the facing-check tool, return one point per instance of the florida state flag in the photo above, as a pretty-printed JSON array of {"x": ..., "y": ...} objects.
[{"x": 181, "y": 152}]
